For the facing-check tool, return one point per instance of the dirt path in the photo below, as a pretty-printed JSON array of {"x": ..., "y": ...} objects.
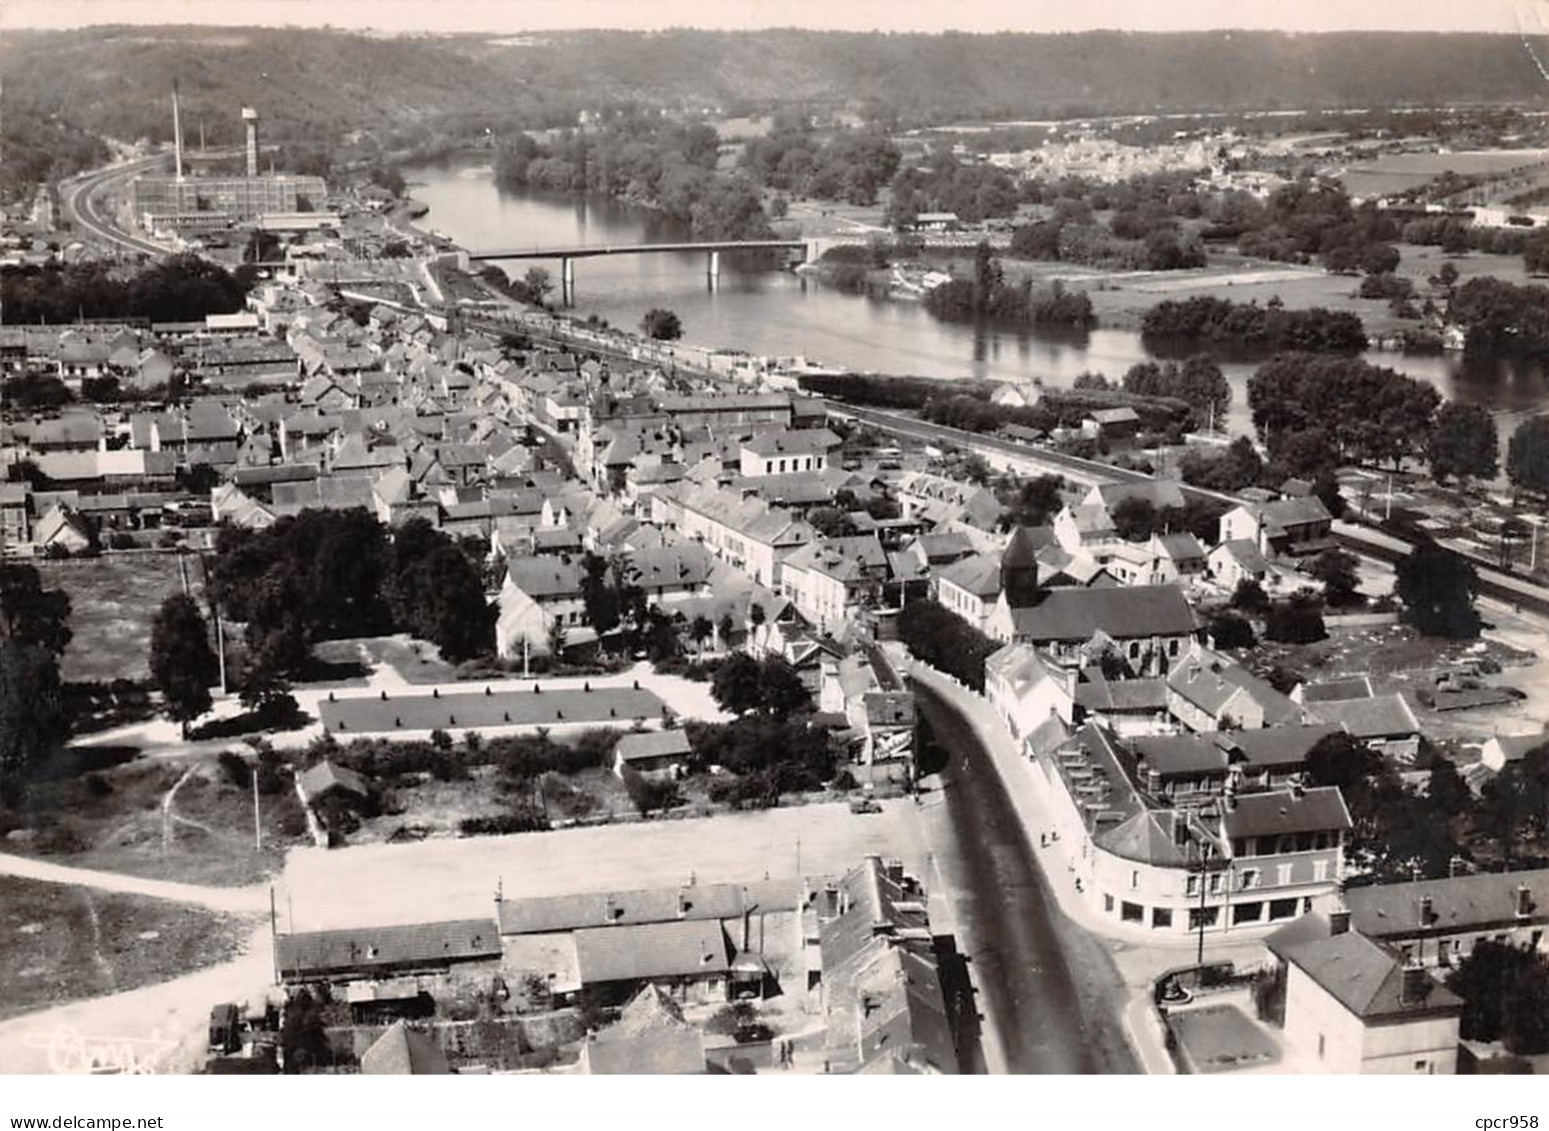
[
  {"x": 230, "y": 901},
  {"x": 155, "y": 1029}
]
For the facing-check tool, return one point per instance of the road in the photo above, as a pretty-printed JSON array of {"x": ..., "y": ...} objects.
[
  {"x": 1048, "y": 989},
  {"x": 81, "y": 206},
  {"x": 1027, "y": 457}
]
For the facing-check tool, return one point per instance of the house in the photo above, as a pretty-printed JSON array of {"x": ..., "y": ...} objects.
[
  {"x": 1295, "y": 527},
  {"x": 785, "y": 452},
  {"x": 1437, "y": 923},
  {"x": 1008, "y": 395},
  {"x": 659, "y": 755},
  {"x": 1384, "y": 724},
  {"x": 748, "y": 534},
  {"x": 1111, "y": 425},
  {"x": 969, "y": 587},
  {"x": 1192, "y": 768},
  {"x": 1207, "y": 692},
  {"x": 62, "y": 527},
  {"x": 342, "y": 956},
  {"x": 1231, "y": 563},
  {"x": 829, "y": 579},
  {"x": 1503, "y": 749},
  {"x": 1025, "y": 692},
  {"x": 690, "y": 958},
  {"x": 1175, "y": 558},
  {"x": 880, "y": 711},
  {"x": 15, "y": 515},
  {"x": 1146, "y": 622},
  {"x": 880, "y": 984},
  {"x": 402, "y": 1051},
  {"x": 935, "y": 221},
  {"x": 1151, "y": 859},
  {"x": 1352, "y": 1006},
  {"x": 677, "y": 1051},
  {"x": 536, "y": 594},
  {"x": 326, "y": 778}
]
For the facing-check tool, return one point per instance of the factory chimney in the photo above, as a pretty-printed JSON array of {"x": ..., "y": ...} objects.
[
  {"x": 250, "y": 116},
  {"x": 177, "y": 132}
]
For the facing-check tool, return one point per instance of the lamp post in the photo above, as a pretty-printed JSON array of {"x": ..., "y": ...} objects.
[{"x": 1204, "y": 850}]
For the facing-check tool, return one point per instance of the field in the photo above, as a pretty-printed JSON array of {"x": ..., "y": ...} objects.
[
  {"x": 112, "y": 820},
  {"x": 449, "y": 879},
  {"x": 1396, "y": 172},
  {"x": 62, "y": 943},
  {"x": 113, "y": 599}
]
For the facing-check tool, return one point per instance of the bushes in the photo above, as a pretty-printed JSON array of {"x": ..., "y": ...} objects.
[
  {"x": 522, "y": 818},
  {"x": 1297, "y": 620},
  {"x": 647, "y": 794},
  {"x": 236, "y": 769}
]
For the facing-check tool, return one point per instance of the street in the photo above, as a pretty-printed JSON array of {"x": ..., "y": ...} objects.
[{"x": 1047, "y": 988}]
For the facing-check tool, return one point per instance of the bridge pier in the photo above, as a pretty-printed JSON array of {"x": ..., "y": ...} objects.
[
  {"x": 713, "y": 268},
  {"x": 567, "y": 281}
]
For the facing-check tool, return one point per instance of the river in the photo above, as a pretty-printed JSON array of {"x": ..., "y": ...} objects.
[{"x": 779, "y": 313}]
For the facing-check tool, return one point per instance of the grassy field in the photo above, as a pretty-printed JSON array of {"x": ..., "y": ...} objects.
[
  {"x": 1395, "y": 172},
  {"x": 64, "y": 943},
  {"x": 112, "y": 820},
  {"x": 112, "y": 600}
]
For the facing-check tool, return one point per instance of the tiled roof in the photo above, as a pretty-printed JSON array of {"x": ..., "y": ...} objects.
[
  {"x": 1285, "y": 811},
  {"x": 1365, "y": 978},
  {"x": 1074, "y": 615},
  {"x": 364, "y": 949},
  {"x": 402, "y": 1051},
  {"x": 1460, "y": 903},
  {"x": 325, "y": 776},
  {"x": 653, "y": 744},
  {"x": 681, "y": 948},
  {"x": 1383, "y": 717},
  {"x": 666, "y": 1053},
  {"x": 546, "y": 577},
  {"x": 548, "y": 914},
  {"x": 374, "y": 715}
]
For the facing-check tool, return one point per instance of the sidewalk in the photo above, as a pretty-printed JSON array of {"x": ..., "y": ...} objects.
[{"x": 1139, "y": 955}]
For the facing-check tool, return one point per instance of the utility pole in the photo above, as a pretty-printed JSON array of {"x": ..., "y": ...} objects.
[
  {"x": 1200, "y": 957},
  {"x": 258, "y": 829},
  {"x": 1387, "y": 512}
]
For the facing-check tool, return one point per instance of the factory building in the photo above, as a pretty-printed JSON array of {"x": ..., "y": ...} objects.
[{"x": 187, "y": 205}]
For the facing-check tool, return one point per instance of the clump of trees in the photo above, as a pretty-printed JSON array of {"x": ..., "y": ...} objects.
[
  {"x": 1501, "y": 318},
  {"x": 1527, "y": 455},
  {"x": 323, "y": 575},
  {"x": 1198, "y": 382},
  {"x": 1464, "y": 443},
  {"x": 769, "y": 686},
  {"x": 1204, "y": 318},
  {"x": 1317, "y": 411},
  {"x": 180, "y": 288},
  {"x": 661, "y": 325},
  {"x": 989, "y": 297}
]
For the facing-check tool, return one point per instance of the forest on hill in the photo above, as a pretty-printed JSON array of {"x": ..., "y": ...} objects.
[{"x": 314, "y": 87}]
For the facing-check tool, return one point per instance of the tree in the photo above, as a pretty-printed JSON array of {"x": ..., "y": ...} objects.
[
  {"x": 725, "y": 627},
  {"x": 780, "y": 690},
  {"x": 736, "y": 684},
  {"x": 1341, "y": 761},
  {"x": 1296, "y": 620},
  {"x": 33, "y": 722},
  {"x": 555, "y": 638},
  {"x": 1228, "y": 631},
  {"x": 1249, "y": 596},
  {"x": 1505, "y": 990},
  {"x": 756, "y": 617},
  {"x": 539, "y": 283},
  {"x": 1134, "y": 519},
  {"x": 1447, "y": 275},
  {"x": 304, "y": 1034},
  {"x": 1338, "y": 571},
  {"x": 436, "y": 592},
  {"x": 699, "y": 630},
  {"x": 182, "y": 662},
  {"x": 30, "y": 614},
  {"x": 1464, "y": 443},
  {"x": 1438, "y": 588},
  {"x": 1527, "y": 456},
  {"x": 599, "y": 598},
  {"x": 661, "y": 325}
]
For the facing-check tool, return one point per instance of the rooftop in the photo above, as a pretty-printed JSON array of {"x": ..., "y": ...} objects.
[{"x": 471, "y": 710}]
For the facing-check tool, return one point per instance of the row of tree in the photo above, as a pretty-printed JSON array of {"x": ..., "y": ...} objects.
[
  {"x": 180, "y": 288},
  {"x": 34, "y": 632},
  {"x": 989, "y": 297}
]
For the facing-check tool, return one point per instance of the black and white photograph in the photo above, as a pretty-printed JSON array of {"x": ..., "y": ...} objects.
[{"x": 628, "y": 538}]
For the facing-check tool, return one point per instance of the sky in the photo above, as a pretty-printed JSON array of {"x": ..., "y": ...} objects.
[{"x": 842, "y": 15}]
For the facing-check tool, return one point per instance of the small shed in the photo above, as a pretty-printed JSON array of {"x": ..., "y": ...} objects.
[{"x": 657, "y": 754}]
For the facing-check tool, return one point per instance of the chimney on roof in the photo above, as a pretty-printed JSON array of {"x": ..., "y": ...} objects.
[
  {"x": 1339, "y": 921},
  {"x": 1424, "y": 917},
  {"x": 1417, "y": 985},
  {"x": 611, "y": 911},
  {"x": 684, "y": 903},
  {"x": 1524, "y": 901}
]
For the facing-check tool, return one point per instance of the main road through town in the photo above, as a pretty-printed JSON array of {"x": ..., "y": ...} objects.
[{"x": 1047, "y": 987}]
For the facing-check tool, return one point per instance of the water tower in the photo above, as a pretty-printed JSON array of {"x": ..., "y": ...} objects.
[{"x": 250, "y": 117}]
